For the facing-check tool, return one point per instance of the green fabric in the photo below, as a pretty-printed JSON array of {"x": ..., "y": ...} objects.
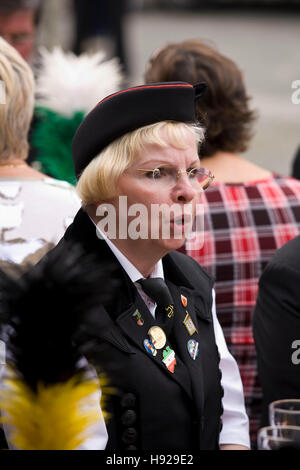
[{"x": 52, "y": 138}]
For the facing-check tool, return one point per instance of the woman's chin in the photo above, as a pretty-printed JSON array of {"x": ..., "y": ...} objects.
[{"x": 172, "y": 244}]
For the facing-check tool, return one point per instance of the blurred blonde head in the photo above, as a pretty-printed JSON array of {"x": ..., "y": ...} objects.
[
  {"x": 17, "y": 110},
  {"x": 99, "y": 179}
]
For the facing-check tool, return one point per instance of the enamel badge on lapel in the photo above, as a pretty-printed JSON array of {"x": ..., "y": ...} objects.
[
  {"x": 169, "y": 359},
  {"x": 183, "y": 300},
  {"x": 193, "y": 348},
  {"x": 150, "y": 348},
  {"x": 138, "y": 318},
  {"x": 189, "y": 324},
  {"x": 157, "y": 336}
]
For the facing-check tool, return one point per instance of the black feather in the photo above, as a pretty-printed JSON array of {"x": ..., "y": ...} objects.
[{"x": 52, "y": 314}]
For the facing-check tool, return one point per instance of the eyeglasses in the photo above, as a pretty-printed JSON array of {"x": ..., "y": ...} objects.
[{"x": 199, "y": 178}]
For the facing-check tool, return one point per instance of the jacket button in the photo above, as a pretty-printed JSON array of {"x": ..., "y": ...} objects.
[
  {"x": 128, "y": 418},
  {"x": 129, "y": 436},
  {"x": 128, "y": 400}
]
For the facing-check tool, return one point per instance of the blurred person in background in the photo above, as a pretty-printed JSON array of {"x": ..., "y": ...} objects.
[
  {"x": 296, "y": 165},
  {"x": 18, "y": 22},
  {"x": 66, "y": 85},
  {"x": 250, "y": 212},
  {"x": 67, "y": 88},
  {"x": 34, "y": 210},
  {"x": 100, "y": 24},
  {"x": 276, "y": 326}
]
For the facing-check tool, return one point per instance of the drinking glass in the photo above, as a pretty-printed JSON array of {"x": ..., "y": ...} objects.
[
  {"x": 284, "y": 412},
  {"x": 279, "y": 438}
]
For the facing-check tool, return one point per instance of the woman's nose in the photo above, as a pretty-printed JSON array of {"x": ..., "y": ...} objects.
[{"x": 183, "y": 190}]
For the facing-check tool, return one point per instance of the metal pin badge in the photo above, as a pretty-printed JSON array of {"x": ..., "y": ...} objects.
[
  {"x": 169, "y": 359},
  {"x": 150, "y": 348},
  {"x": 170, "y": 310},
  {"x": 157, "y": 336},
  {"x": 138, "y": 318},
  {"x": 193, "y": 348},
  {"x": 189, "y": 324},
  {"x": 183, "y": 300}
]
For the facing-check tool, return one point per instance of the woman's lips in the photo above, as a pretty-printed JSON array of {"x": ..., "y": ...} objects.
[
  {"x": 182, "y": 224},
  {"x": 182, "y": 220}
]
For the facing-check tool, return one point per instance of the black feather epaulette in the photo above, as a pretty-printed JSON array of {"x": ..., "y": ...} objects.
[
  {"x": 48, "y": 307},
  {"x": 49, "y": 316}
]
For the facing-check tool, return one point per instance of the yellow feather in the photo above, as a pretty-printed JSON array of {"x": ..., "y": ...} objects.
[{"x": 56, "y": 417}]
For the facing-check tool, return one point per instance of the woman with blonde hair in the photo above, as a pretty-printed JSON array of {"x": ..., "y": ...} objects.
[
  {"x": 249, "y": 211},
  {"x": 34, "y": 209},
  {"x": 176, "y": 387}
]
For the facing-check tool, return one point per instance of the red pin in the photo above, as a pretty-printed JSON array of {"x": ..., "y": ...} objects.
[{"x": 183, "y": 300}]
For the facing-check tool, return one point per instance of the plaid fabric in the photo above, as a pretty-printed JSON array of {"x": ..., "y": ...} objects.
[{"x": 244, "y": 224}]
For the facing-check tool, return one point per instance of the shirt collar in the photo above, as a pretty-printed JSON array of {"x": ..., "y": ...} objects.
[{"x": 130, "y": 269}]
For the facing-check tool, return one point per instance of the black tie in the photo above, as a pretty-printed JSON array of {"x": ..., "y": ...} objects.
[{"x": 157, "y": 289}]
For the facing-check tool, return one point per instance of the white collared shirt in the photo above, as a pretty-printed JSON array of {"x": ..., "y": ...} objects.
[{"x": 133, "y": 272}]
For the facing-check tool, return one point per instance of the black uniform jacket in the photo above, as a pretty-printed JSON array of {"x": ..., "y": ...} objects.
[
  {"x": 155, "y": 407},
  {"x": 276, "y": 327}
]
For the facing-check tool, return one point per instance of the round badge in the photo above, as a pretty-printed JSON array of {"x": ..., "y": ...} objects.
[
  {"x": 157, "y": 336},
  {"x": 150, "y": 348}
]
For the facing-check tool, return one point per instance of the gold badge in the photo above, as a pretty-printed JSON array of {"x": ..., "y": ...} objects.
[
  {"x": 189, "y": 324},
  {"x": 170, "y": 310},
  {"x": 157, "y": 337}
]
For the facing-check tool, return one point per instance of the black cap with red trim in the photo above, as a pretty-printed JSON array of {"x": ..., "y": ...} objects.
[{"x": 131, "y": 109}]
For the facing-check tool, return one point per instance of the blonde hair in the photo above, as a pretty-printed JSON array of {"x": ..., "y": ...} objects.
[
  {"x": 17, "y": 110},
  {"x": 98, "y": 182}
]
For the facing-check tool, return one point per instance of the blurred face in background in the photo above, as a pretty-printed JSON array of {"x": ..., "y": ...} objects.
[{"x": 18, "y": 29}]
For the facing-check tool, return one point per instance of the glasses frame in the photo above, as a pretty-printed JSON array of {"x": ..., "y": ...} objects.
[{"x": 205, "y": 171}]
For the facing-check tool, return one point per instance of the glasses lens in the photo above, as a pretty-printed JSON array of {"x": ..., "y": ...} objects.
[
  {"x": 164, "y": 176},
  {"x": 204, "y": 178}
]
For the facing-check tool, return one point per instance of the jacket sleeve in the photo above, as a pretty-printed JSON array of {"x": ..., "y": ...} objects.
[{"x": 276, "y": 328}]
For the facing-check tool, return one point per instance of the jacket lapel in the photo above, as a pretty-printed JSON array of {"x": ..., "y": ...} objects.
[
  {"x": 191, "y": 316},
  {"x": 138, "y": 334}
]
